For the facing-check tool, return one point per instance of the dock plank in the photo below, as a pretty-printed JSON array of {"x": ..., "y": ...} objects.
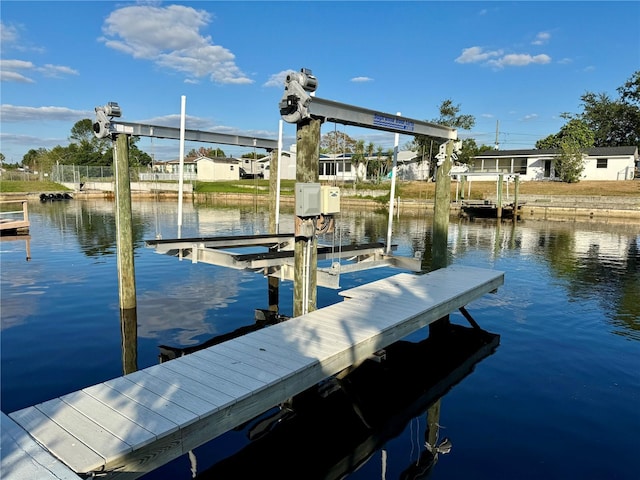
[
  {"x": 111, "y": 420},
  {"x": 216, "y": 389},
  {"x": 85, "y": 429},
  {"x": 214, "y": 398},
  {"x": 24, "y": 459},
  {"x": 218, "y": 378},
  {"x": 139, "y": 399},
  {"x": 167, "y": 390},
  {"x": 75, "y": 454}
]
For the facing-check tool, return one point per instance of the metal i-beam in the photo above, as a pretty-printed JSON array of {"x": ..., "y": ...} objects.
[
  {"x": 297, "y": 104},
  {"x": 156, "y": 131},
  {"x": 330, "y": 111}
]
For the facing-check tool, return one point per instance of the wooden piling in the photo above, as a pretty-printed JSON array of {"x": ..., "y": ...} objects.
[
  {"x": 124, "y": 256},
  {"x": 307, "y": 159},
  {"x": 442, "y": 209},
  {"x": 441, "y": 213},
  {"x": 124, "y": 230}
]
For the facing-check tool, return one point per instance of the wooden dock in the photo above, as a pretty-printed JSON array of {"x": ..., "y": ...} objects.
[
  {"x": 11, "y": 225},
  {"x": 130, "y": 425}
]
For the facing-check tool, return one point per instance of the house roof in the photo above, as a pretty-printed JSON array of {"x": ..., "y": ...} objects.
[{"x": 592, "y": 152}]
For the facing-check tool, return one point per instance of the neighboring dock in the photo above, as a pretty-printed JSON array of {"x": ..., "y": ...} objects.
[
  {"x": 11, "y": 225},
  {"x": 130, "y": 425}
]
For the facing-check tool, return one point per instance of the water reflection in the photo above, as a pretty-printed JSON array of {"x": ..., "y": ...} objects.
[
  {"x": 334, "y": 429},
  {"x": 592, "y": 259}
]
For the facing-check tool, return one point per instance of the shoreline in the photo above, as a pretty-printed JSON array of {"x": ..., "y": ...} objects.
[{"x": 535, "y": 208}]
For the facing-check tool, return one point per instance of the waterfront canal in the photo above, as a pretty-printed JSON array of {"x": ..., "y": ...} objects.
[{"x": 557, "y": 399}]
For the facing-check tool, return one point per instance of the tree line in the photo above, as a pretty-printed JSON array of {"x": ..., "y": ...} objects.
[{"x": 604, "y": 121}]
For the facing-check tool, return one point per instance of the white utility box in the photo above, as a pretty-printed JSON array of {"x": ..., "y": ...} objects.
[
  {"x": 308, "y": 199},
  {"x": 330, "y": 200}
]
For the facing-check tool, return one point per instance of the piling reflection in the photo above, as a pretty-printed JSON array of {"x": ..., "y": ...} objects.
[{"x": 332, "y": 430}]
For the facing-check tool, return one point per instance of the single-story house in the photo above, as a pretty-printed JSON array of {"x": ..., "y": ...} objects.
[
  {"x": 342, "y": 167},
  {"x": 219, "y": 168},
  {"x": 600, "y": 163},
  {"x": 173, "y": 166}
]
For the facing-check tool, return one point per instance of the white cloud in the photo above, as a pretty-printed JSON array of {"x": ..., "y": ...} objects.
[
  {"x": 11, "y": 71},
  {"x": 520, "y": 60},
  {"x": 14, "y": 113},
  {"x": 57, "y": 70},
  {"x": 170, "y": 37},
  {"x": 542, "y": 38},
  {"x": 477, "y": 55},
  {"x": 8, "y": 33},
  {"x": 530, "y": 117},
  {"x": 498, "y": 59},
  {"x": 14, "y": 77},
  {"x": 361, "y": 79}
]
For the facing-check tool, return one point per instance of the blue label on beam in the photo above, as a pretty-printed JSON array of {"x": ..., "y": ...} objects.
[{"x": 392, "y": 122}]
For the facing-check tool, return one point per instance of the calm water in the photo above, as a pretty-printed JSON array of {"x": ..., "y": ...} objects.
[{"x": 559, "y": 398}]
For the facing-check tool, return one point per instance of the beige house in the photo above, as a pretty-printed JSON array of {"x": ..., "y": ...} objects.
[{"x": 219, "y": 168}]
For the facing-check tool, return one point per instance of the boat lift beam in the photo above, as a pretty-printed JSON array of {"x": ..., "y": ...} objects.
[
  {"x": 298, "y": 104},
  {"x": 330, "y": 111},
  {"x": 105, "y": 126}
]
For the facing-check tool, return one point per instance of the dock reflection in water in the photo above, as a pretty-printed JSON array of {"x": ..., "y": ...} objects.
[{"x": 333, "y": 429}]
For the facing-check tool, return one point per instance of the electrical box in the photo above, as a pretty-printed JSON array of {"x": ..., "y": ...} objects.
[
  {"x": 330, "y": 200},
  {"x": 308, "y": 199}
]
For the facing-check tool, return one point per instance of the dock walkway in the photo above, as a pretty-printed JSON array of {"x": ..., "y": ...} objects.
[
  {"x": 130, "y": 425},
  {"x": 8, "y": 222}
]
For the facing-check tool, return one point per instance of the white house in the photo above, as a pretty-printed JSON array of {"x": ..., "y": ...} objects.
[
  {"x": 219, "y": 168},
  {"x": 342, "y": 167},
  {"x": 600, "y": 163}
]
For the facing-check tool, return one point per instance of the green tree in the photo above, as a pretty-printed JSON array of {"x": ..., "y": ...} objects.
[
  {"x": 91, "y": 150},
  {"x": 337, "y": 142},
  {"x": 206, "y": 152},
  {"x": 450, "y": 116},
  {"x": 572, "y": 140},
  {"x": 614, "y": 122},
  {"x": 359, "y": 157},
  {"x": 569, "y": 163}
]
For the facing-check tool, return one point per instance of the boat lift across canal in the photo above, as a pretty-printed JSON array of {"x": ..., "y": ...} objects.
[{"x": 128, "y": 426}]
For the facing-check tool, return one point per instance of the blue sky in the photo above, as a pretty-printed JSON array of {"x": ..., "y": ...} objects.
[{"x": 515, "y": 66}]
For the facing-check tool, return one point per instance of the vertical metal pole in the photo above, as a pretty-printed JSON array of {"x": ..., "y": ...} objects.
[
  {"x": 306, "y": 253},
  {"x": 274, "y": 197},
  {"x": 181, "y": 172},
  {"x": 499, "y": 201},
  {"x": 516, "y": 190},
  {"x": 125, "y": 262},
  {"x": 278, "y": 177},
  {"x": 392, "y": 194}
]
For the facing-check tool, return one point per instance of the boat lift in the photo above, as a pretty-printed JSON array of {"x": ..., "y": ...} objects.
[{"x": 273, "y": 255}]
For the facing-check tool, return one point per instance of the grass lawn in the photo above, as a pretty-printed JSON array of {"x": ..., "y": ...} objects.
[
  {"x": 21, "y": 186},
  {"x": 406, "y": 190}
]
